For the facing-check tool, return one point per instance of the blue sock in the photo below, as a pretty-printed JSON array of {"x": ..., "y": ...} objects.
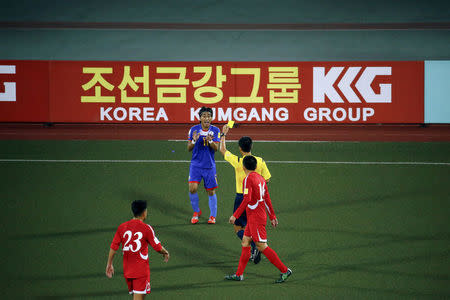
[
  {"x": 194, "y": 202},
  {"x": 213, "y": 205}
]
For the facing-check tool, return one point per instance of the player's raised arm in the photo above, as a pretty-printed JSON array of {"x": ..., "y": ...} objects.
[
  {"x": 192, "y": 140},
  {"x": 223, "y": 146},
  {"x": 213, "y": 139}
]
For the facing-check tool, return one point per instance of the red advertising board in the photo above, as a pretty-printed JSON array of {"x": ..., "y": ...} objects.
[
  {"x": 24, "y": 91},
  {"x": 247, "y": 92}
]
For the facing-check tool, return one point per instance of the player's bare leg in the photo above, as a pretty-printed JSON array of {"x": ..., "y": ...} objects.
[
  {"x": 138, "y": 296},
  {"x": 261, "y": 246},
  {"x": 193, "y": 187},
  {"x": 246, "y": 241},
  {"x": 193, "y": 196},
  {"x": 272, "y": 256},
  {"x": 212, "y": 206}
]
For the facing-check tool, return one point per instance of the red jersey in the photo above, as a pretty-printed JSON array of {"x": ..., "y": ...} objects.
[
  {"x": 256, "y": 200},
  {"x": 135, "y": 235}
]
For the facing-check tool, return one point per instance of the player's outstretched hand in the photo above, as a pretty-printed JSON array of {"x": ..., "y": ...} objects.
[
  {"x": 195, "y": 136},
  {"x": 166, "y": 257},
  {"x": 109, "y": 270},
  {"x": 232, "y": 219},
  {"x": 274, "y": 222},
  {"x": 209, "y": 138}
]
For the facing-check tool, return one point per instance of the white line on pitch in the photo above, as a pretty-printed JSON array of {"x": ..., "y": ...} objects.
[
  {"x": 267, "y": 141},
  {"x": 362, "y": 162},
  {"x": 221, "y": 161}
]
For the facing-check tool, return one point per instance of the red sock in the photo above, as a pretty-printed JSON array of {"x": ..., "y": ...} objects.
[
  {"x": 245, "y": 256},
  {"x": 274, "y": 259}
]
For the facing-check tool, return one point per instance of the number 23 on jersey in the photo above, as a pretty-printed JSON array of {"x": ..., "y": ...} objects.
[{"x": 133, "y": 241}]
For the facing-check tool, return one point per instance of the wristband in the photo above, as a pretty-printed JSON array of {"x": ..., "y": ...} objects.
[
  {"x": 222, "y": 134},
  {"x": 210, "y": 141},
  {"x": 193, "y": 142}
]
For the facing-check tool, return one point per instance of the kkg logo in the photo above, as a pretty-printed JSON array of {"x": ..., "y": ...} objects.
[
  {"x": 10, "y": 87},
  {"x": 323, "y": 85},
  {"x": 327, "y": 84}
]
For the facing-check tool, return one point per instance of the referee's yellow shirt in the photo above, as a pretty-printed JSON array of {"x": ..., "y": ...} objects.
[{"x": 236, "y": 162}]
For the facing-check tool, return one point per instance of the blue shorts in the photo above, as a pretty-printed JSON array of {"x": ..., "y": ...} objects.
[
  {"x": 242, "y": 220},
  {"x": 209, "y": 176}
]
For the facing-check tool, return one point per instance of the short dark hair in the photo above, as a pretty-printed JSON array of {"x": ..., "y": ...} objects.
[
  {"x": 138, "y": 207},
  {"x": 245, "y": 143},
  {"x": 205, "y": 109},
  {"x": 250, "y": 162}
]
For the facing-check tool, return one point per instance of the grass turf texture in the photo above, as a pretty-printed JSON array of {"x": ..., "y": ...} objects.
[{"x": 347, "y": 231}]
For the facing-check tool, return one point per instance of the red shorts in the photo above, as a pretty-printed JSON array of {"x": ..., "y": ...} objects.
[
  {"x": 139, "y": 285},
  {"x": 257, "y": 232}
]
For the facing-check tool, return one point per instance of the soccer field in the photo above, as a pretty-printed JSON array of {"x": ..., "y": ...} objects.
[{"x": 357, "y": 220}]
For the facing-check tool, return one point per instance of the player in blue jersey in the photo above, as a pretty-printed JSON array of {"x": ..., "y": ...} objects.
[{"x": 203, "y": 141}]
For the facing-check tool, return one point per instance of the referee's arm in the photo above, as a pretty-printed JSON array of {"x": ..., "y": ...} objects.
[{"x": 223, "y": 146}]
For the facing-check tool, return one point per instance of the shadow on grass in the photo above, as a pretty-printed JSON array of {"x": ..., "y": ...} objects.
[
  {"x": 62, "y": 234},
  {"x": 67, "y": 277},
  {"x": 199, "y": 248},
  {"x": 366, "y": 267},
  {"x": 157, "y": 203},
  {"x": 97, "y": 275},
  {"x": 355, "y": 199},
  {"x": 375, "y": 240},
  {"x": 398, "y": 292},
  {"x": 222, "y": 283},
  {"x": 122, "y": 292},
  {"x": 377, "y": 235},
  {"x": 299, "y": 278}
]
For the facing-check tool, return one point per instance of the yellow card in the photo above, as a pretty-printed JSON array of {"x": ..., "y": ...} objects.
[{"x": 230, "y": 124}]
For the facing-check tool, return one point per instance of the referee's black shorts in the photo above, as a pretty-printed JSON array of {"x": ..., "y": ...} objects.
[{"x": 242, "y": 220}]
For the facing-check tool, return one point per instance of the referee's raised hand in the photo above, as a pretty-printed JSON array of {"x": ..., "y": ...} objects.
[{"x": 225, "y": 129}]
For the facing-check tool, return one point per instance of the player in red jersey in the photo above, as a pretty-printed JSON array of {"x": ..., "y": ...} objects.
[
  {"x": 256, "y": 201},
  {"x": 135, "y": 235}
]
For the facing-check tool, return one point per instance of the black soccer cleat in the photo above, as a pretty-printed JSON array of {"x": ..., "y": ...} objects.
[
  {"x": 256, "y": 256},
  {"x": 234, "y": 277},
  {"x": 284, "y": 276}
]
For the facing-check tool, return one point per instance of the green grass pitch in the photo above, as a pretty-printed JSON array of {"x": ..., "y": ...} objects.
[{"x": 347, "y": 230}]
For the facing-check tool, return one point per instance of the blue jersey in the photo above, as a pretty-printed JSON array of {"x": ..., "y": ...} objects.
[{"x": 202, "y": 154}]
